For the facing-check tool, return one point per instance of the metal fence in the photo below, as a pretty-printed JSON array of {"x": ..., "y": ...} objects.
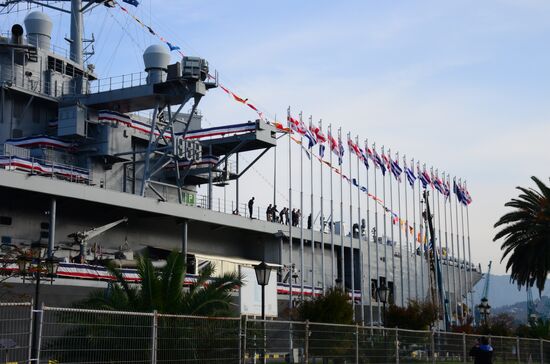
[{"x": 66, "y": 335}]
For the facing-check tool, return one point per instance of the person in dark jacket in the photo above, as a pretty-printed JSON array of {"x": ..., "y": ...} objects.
[
  {"x": 251, "y": 206},
  {"x": 482, "y": 352}
]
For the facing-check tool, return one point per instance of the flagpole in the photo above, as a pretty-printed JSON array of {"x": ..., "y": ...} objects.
[
  {"x": 458, "y": 254},
  {"x": 448, "y": 280},
  {"x": 301, "y": 214},
  {"x": 407, "y": 230},
  {"x": 313, "y": 284},
  {"x": 467, "y": 286},
  {"x": 414, "y": 242},
  {"x": 322, "y": 214},
  {"x": 367, "y": 235},
  {"x": 392, "y": 223},
  {"x": 470, "y": 255},
  {"x": 376, "y": 240},
  {"x": 401, "y": 242},
  {"x": 340, "y": 161},
  {"x": 352, "y": 261},
  {"x": 291, "y": 269},
  {"x": 445, "y": 284},
  {"x": 275, "y": 174},
  {"x": 332, "y": 277},
  {"x": 361, "y": 279},
  {"x": 385, "y": 240},
  {"x": 450, "y": 253},
  {"x": 421, "y": 236},
  {"x": 436, "y": 251}
]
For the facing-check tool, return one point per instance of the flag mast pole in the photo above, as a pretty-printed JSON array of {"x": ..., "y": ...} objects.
[
  {"x": 448, "y": 281},
  {"x": 414, "y": 241},
  {"x": 467, "y": 286},
  {"x": 342, "y": 261},
  {"x": 352, "y": 262},
  {"x": 469, "y": 253},
  {"x": 291, "y": 266},
  {"x": 394, "y": 277},
  {"x": 435, "y": 251},
  {"x": 401, "y": 243},
  {"x": 313, "y": 284},
  {"x": 301, "y": 213},
  {"x": 361, "y": 279},
  {"x": 458, "y": 253},
  {"x": 332, "y": 277},
  {"x": 408, "y": 232},
  {"x": 375, "y": 237},
  {"x": 450, "y": 253},
  {"x": 421, "y": 235},
  {"x": 385, "y": 239},
  {"x": 367, "y": 236},
  {"x": 321, "y": 155}
]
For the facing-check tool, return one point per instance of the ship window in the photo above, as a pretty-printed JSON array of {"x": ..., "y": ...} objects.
[
  {"x": 69, "y": 70},
  {"x": 373, "y": 289},
  {"x": 5, "y": 220},
  {"x": 45, "y": 225},
  {"x": 55, "y": 64},
  {"x": 6, "y": 240}
]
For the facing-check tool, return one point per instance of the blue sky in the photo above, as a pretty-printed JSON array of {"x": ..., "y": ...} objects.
[{"x": 460, "y": 85}]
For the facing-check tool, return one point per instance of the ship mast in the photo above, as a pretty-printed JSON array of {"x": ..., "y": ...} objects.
[
  {"x": 76, "y": 31},
  {"x": 76, "y": 20}
]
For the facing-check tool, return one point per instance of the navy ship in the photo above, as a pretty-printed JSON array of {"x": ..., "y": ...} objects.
[{"x": 97, "y": 170}]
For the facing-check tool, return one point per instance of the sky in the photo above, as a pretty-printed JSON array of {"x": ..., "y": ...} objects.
[{"x": 459, "y": 85}]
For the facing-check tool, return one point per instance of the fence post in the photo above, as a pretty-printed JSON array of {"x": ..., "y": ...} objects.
[
  {"x": 396, "y": 346},
  {"x": 154, "y": 338},
  {"x": 356, "y": 343},
  {"x": 30, "y": 331},
  {"x": 464, "y": 357},
  {"x": 541, "y": 351},
  {"x": 39, "y": 327},
  {"x": 517, "y": 351},
  {"x": 306, "y": 342},
  {"x": 433, "y": 345},
  {"x": 243, "y": 338}
]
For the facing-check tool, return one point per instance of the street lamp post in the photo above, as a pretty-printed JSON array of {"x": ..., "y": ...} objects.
[
  {"x": 484, "y": 310},
  {"x": 263, "y": 271},
  {"x": 383, "y": 292},
  {"x": 36, "y": 264}
]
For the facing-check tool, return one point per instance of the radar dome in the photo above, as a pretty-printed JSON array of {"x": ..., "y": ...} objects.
[
  {"x": 39, "y": 29},
  {"x": 156, "y": 56}
]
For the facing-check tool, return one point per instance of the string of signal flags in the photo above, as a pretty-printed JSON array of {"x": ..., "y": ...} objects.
[{"x": 315, "y": 136}]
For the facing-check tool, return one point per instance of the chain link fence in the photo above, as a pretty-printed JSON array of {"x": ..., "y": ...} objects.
[
  {"x": 15, "y": 332},
  {"x": 66, "y": 335}
]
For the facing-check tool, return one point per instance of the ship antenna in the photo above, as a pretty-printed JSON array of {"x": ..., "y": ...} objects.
[{"x": 76, "y": 21}]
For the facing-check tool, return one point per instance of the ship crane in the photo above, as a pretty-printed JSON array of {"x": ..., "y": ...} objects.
[
  {"x": 436, "y": 277},
  {"x": 484, "y": 307},
  {"x": 82, "y": 237}
]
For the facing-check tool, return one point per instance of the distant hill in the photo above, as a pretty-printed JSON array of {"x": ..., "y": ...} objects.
[
  {"x": 519, "y": 310},
  {"x": 504, "y": 293}
]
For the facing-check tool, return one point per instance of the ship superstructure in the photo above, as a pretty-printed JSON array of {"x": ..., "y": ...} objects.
[{"x": 121, "y": 156}]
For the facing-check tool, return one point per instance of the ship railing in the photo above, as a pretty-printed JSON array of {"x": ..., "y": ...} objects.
[
  {"x": 60, "y": 51},
  {"x": 18, "y": 77},
  {"x": 46, "y": 168},
  {"x": 118, "y": 82},
  {"x": 94, "y": 336}
]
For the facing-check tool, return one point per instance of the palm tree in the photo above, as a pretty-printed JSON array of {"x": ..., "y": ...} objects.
[
  {"x": 526, "y": 233},
  {"x": 126, "y": 337},
  {"x": 162, "y": 290}
]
